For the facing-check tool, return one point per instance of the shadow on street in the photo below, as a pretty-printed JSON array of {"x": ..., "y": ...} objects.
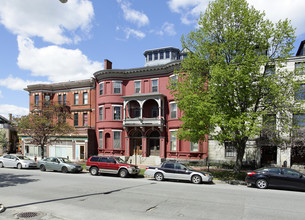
[
  {"x": 77, "y": 197},
  {"x": 7, "y": 179}
]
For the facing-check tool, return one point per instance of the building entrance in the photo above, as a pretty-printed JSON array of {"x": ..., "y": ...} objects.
[{"x": 154, "y": 144}]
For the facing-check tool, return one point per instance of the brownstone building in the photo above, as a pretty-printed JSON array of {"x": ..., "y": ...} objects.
[{"x": 78, "y": 98}]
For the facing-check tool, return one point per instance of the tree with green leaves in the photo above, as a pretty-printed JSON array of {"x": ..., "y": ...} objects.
[
  {"x": 234, "y": 74},
  {"x": 45, "y": 125},
  {"x": 3, "y": 138}
]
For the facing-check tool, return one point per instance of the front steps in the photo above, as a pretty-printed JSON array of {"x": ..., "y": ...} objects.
[{"x": 145, "y": 161}]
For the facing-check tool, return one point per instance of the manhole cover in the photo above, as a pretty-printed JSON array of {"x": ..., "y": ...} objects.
[{"x": 28, "y": 214}]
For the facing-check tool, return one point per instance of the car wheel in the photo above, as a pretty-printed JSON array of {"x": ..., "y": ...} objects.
[
  {"x": 19, "y": 166},
  {"x": 159, "y": 176},
  {"x": 261, "y": 184},
  {"x": 123, "y": 173},
  {"x": 64, "y": 169},
  {"x": 42, "y": 168},
  {"x": 94, "y": 171},
  {"x": 1, "y": 165},
  {"x": 196, "y": 179}
]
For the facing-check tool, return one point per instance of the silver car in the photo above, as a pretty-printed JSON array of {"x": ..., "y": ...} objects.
[
  {"x": 19, "y": 161},
  {"x": 59, "y": 164}
]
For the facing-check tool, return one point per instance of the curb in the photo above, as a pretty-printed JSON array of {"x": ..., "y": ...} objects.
[{"x": 2, "y": 208}]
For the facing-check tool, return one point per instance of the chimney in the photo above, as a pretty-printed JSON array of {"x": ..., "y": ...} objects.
[{"x": 107, "y": 64}]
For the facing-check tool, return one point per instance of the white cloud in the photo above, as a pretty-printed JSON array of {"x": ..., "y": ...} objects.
[
  {"x": 6, "y": 109},
  {"x": 56, "y": 63},
  {"x": 1, "y": 96},
  {"x": 132, "y": 15},
  {"x": 49, "y": 19},
  {"x": 167, "y": 29},
  {"x": 135, "y": 33},
  {"x": 282, "y": 9},
  {"x": 15, "y": 83},
  {"x": 188, "y": 9},
  {"x": 275, "y": 10}
]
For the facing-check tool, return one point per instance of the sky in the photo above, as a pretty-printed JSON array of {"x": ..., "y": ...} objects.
[{"x": 46, "y": 41}]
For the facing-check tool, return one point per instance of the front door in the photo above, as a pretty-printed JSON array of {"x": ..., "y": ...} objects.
[
  {"x": 136, "y": 146},
  {"x": 154, "y": 147}
]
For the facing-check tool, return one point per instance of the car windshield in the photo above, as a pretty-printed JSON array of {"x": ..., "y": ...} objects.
[
  {"x": 64, "y": 160},
  {"x": 120, "y": 160},
  {"x": 21, "y": 157}
]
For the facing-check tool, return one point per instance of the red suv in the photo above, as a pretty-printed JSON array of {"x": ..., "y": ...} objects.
[{"x": 113, "y": 165}]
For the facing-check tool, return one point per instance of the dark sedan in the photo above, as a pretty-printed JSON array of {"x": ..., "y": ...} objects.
[{"x": 276, "y": 177}]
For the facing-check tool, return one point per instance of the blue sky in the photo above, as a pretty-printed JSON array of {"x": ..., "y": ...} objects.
[{"x": 45, "y": 41}]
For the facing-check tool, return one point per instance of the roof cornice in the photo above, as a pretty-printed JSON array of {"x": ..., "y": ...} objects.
[
  {"x": 88, "y": 83},
  {"x": 141, "y": 72}
]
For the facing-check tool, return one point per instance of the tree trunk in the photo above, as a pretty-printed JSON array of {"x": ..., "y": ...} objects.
[
  {"x": 240, "y": 150},
  {"x": 42, "y": 151}
]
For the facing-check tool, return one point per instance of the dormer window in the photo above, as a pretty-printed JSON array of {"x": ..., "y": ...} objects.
[
  {"x": 155, "y": 56},
  {"x": 161, "y": 55},
  {"x": 150, "y": 57},
  {"x": 166, "y": 54}
]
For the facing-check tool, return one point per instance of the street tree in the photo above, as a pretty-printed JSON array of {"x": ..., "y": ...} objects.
[
  {"x": 235, "y": 74},
  {"x": 3, "y": 139},
  {"x": 44, "y": 126}
]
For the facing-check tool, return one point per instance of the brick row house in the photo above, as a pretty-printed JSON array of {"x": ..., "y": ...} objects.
[
  {"x": 78, "y": 98},
  {"x": 131, "y": 110},
  {"x": 136, "y": 115}
]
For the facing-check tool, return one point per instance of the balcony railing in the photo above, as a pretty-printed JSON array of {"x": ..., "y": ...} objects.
[{"x": 143, "y": 122}]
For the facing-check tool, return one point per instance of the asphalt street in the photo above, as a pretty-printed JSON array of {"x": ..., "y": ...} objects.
[{"x": 54, "y": 195}]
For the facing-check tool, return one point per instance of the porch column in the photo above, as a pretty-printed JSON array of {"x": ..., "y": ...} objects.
[
  {"x": 127, "y": 147},
  {"x": 162, "y": 147},
  {"x": 144, "y": 146}
]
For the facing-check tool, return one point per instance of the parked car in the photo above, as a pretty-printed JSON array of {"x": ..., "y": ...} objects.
[
  {"x": 276, "y": 177},
  {"x": 178, "y": 171},
  {"x": 112, "y": 165},
  {"x": 15, "y": 160},
  {"x": 59, "y": 164}
]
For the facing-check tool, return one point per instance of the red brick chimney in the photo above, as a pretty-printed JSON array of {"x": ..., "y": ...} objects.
[{"x": 107, "y": 64}]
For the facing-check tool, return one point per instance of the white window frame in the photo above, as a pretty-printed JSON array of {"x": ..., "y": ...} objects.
[
  {"x": 101, "y": 84},
  {"x": 153, "y": 86},
  {"x": 117, "y": 146},
  {"x": 113, "y": 108},
  {"x": 173, "y": 140},
  {"x": 115, "y": 86},
  {"x": 172, "y": 78},
  {"x": 85, "y": 98},
  {"x": 100, "y": 139},
  {"x": 76, "y": 98},
  {"x": 172, "y": 110},
  {"x": 101, "y": 109},
  {"x": 137, "y": 89},
  {"x": 194, "y": 147}
]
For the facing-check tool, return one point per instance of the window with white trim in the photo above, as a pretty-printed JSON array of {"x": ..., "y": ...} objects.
[
  {"x": 230, "y": 150},
  {"x": 137, "y": 86},
  {"x": 173, "y": 109},
  {"x": 100, "y": 138},
  {"x": 117, "y": 112},
  {"x": 101, "y": 88},
  {"x": 194, "y": 147},
  {"x": 76, "y": 99},
  {"x": 173, "y": 140},
  {"x": 116, "y": 139},
  {"x": 154, "y": 85},
  {"x": 101, "y": 109},
  {"x": 85, "y": 98},
  {"x": 117, "y": 87},
  {"x": 173, "y": 80}
]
